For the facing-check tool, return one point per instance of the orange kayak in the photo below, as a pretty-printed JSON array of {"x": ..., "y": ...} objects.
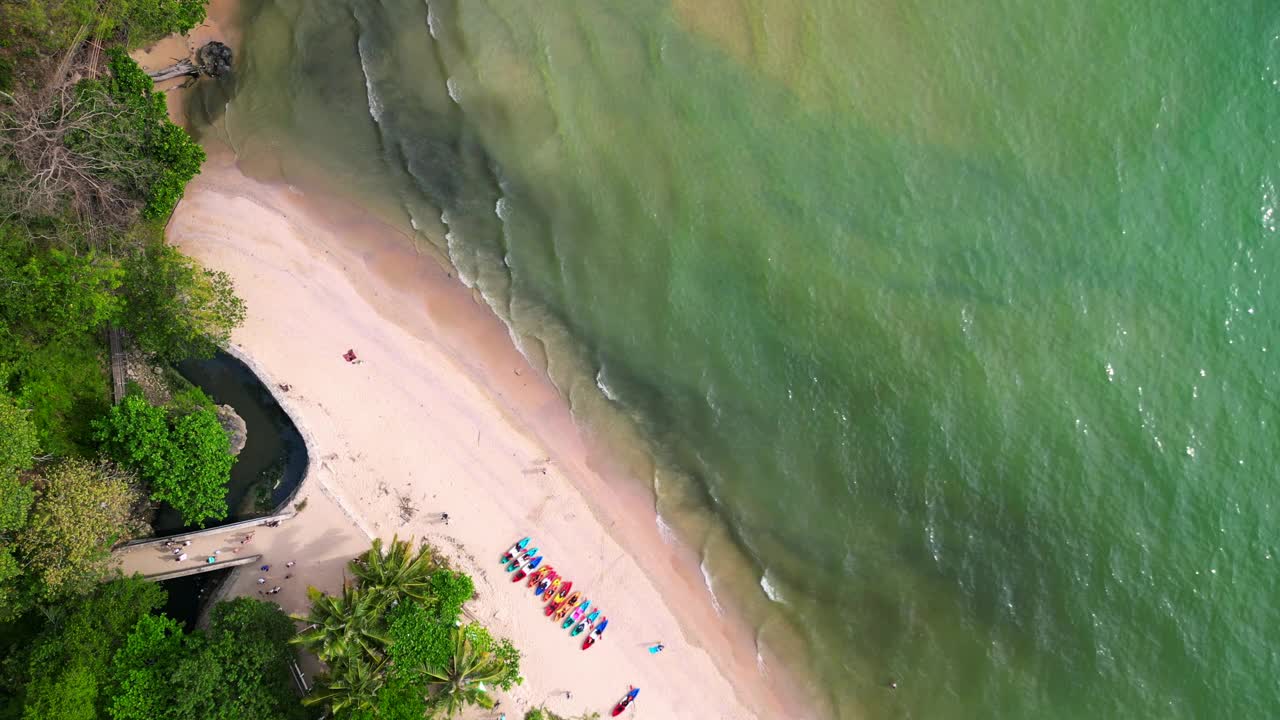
[{"x": 563, "y": 609}]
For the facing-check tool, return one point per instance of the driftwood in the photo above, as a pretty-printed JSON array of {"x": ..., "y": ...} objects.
[{"x": 214, "y": 60}]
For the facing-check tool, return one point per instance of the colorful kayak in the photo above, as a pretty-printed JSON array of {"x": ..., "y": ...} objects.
[
  {"x": 521, "y": 559},
  {"x": 549, "y": 591},
  {"x": 533, "y": 565},
  {"x": 536, "y": 578},
  {"x": 626, "y": 701},
  {"x": 596, "y": 635},
  {"x": 521, "y": 562},
  {"x": 506, "y": 558},
  {"x": 557, "y": 614},
  {"x": 586, "y": 623},
  {"x": 560, "y": 595},
  {"x": 577, "y": 614},
  {"x": 546, "y": 583}
]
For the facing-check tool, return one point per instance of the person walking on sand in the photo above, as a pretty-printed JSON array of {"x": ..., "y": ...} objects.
[{"x": 445, "y": 518}]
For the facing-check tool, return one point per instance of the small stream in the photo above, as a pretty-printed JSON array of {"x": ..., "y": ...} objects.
[{"x": 273, "y": 462}]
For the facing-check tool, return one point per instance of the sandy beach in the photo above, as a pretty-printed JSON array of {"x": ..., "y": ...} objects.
[
  {"x": 444, "y": 415},
  {"x": 414, "y": 422}
]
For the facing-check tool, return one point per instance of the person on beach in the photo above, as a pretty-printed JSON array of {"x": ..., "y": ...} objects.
[
  {"x": 445, "y": 518},
  {"x": 177, "y": 551},
  {"x": 182, "y": 557},
  {"x": 262, "y": 581},
  {"x": 211, "y": 560},
  {"x": 265, "y": 568},
  {"x": 657, "y": 649},
  {"x": 290, "y": 564}
]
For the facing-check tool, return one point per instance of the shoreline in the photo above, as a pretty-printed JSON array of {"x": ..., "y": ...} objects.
[
  {"x": 359, "y": 284},
  {"x": 395, "y": 293}
]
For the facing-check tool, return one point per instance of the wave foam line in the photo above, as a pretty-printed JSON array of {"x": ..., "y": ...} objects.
[
  {"x": 706, "y": 580},
  {"x": 770, "y": 591},
  {"x": 375, "y": 102}
]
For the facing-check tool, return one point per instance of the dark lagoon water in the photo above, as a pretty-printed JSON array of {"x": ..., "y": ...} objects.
[
  {"x": 274, "y": 458},
  {"x": 949, "y": 326}
]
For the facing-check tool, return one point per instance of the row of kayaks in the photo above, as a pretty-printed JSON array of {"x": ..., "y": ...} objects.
[{"x": 565, "y": 605}]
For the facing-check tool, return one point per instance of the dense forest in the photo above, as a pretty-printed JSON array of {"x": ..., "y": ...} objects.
[{"x": 91, "y": 168}]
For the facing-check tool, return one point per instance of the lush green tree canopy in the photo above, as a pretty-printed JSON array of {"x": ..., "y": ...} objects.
[
  {"x": 176, "y": 309},
  {"x": 64, "y": 670},
  {"x": 238, "y": 669},
  {"x": 52, "y": 305},
  {"x": 185, "y": 460},
  {"x": 18, "y": 444},
  {"x": 50, "y": 295},
  {"x": 51, "y": 25},
  {"x": 81, "y": 508}
]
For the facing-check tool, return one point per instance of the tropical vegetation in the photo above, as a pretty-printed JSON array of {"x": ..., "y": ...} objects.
[
  {"x": 184, "y": 458},
  {"x": 90, "y": 169},
  {"x": 110, "y": 654},
  {"x": 394, "y": 642}
]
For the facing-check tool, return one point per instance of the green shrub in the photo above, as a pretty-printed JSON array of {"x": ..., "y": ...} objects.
[
  {"x": 418, "y": 639},
  {"x": 186, "y": 460},
  {"x": 451, "y": 589}
]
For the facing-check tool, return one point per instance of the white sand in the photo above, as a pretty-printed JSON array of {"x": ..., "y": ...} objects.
[
  {"x": 481, "y": 435},
  {"x": 445, "y": 412}
]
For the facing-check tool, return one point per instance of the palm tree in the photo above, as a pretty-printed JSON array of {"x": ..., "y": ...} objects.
[
  {"x": 350, "y": 687},
  {"x": 399, "y": 571},
  {"x": 460, "y": 682},
  {"x": 345, "y": 627}
]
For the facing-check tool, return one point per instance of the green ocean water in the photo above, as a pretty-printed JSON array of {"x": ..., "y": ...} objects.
[{"x": 951, "y": 326}]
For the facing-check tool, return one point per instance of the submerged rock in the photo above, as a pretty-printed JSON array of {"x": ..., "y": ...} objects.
[{"x": 237, "y": 430}]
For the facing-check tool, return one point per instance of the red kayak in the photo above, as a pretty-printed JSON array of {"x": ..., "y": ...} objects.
[
  {"x": 625, "y": 702},
  {"x": 597, "y": 634},
  {"x": 543, "y": 572}
]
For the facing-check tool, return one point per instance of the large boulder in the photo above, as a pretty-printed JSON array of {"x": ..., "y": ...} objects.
[{"x": 237, "y": 431}]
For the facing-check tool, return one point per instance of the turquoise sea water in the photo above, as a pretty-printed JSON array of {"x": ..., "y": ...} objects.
[{"x": 952, "y": 326}]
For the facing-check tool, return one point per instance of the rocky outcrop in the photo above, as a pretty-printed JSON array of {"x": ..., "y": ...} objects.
[{"x": 237, "y": 431}]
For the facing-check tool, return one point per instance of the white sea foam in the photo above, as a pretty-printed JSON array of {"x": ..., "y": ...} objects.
[
  {"x": 770, "y": 590},
  {"x": 453, "y": 90},
  {"x": 706, "y": 580},
  {"x": 604, "y": 387},
  {"x": 451, "y": 243},
  {"x": 431, "y": 21},
  {"x": 664, "y": 530},
  {"x": 501, "y": 208},
  {"x": 375, "y": 102}
]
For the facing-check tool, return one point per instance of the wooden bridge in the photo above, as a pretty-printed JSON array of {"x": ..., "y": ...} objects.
[
  {"x": 154, "y": 559},
  {"x": 117, "y": 363}
]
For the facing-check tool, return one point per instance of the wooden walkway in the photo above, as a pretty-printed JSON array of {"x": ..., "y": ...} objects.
[{"x": 117, "y": 363}]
